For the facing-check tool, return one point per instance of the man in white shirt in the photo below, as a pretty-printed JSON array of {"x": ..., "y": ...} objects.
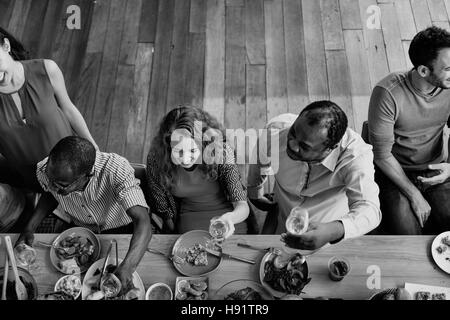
[{"x": 325, "y": 168}]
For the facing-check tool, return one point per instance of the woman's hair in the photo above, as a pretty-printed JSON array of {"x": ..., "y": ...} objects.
[
  {"x": 18, "y": 52},
  {"x": 199, "y": 124}
]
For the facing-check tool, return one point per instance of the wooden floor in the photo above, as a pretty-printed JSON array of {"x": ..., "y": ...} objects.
[{"x": 244, "y": 61}]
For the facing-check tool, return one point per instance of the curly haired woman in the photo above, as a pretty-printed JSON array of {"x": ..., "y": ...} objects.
[{"x": 192, "y": 176}]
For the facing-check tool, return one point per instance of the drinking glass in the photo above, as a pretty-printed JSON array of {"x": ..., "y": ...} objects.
[
  {"x": 218, "y": 229},
  {"x": 25, "y": 256},
  {"x": 296, "y": 224}
]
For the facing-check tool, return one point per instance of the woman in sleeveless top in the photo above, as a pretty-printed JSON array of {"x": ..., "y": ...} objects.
[
  {"x": 35, "y": 113},
  {"x": 186, "y": 187}
]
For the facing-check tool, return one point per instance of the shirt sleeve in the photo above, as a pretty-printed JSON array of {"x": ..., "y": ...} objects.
[
  {"x": 126, "y": 186},
  {"x": 231, "y": 177},
  {"x": 362, "y": 193},
  {"x": 382, "y": 117},
  {"x": 41, "y": 176}
]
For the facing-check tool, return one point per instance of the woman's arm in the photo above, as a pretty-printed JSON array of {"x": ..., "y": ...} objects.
[
  {"x": 230, "y": 180},
  {"x": 74, "y": 116}
]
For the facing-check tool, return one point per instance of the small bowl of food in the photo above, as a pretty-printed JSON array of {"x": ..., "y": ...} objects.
[
  {"x": 159, "y": 291},
  {"x": 338, "y": 268},
  {"x": 69, "y": 285}
]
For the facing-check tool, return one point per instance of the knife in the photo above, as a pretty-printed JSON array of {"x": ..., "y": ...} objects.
[{"x": 229, "y": 256}]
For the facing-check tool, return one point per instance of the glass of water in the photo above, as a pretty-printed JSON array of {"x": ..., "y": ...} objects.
[{"x": 296, "y": 224}]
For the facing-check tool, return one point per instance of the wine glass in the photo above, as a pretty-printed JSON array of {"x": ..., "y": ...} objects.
[
  {"x": 25, "y": 256},
  {"x": 296, "y": 224},
  {"x": 218, "y": 229}
]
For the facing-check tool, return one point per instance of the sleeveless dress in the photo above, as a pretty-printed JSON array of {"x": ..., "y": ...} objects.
[{"x": 25, "y": 142}]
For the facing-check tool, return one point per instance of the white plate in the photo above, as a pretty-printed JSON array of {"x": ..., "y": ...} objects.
[
  {"x": 413, "y": 288},
  {"x": 89, "y": 278},
  {"x": 439, "y": 258}
]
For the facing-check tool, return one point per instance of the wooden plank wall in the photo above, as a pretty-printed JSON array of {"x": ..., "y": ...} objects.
[{"x": 244, "y": 61}]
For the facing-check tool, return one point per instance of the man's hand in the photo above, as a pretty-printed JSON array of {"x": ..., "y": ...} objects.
[
  {"x": 444, "y": 173},
  {"x": 318, "y": 235},
  {"x": 27, "y": 237},
  {"x": 125, "y": 276},
  {"x": 420, "y": 207}
]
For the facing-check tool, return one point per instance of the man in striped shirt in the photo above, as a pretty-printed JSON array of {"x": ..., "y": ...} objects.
[{"x": 98, "y": 191}]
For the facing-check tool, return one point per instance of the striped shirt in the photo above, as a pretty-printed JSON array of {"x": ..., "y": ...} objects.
[{"x": 111, "y": 191}]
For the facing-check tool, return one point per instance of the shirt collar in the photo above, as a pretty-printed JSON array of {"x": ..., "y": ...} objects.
[{"x": 331, "y": 160}]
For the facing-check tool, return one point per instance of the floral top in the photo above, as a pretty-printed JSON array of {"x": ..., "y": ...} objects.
[{"x": 163, "y": 203}]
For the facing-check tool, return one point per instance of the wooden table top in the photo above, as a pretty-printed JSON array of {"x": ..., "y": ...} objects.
[{"x": 399, "y": 259}]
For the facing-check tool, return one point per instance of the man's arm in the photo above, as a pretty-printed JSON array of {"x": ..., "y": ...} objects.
[
  {"x": 382, "y": 117},
  {"x": 142, "y": 234},
  {"x": 47, "y": 203}
]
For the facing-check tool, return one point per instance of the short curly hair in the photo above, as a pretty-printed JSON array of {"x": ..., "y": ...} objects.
[
  {"x": 425, "y": 46},
  {"x": 329, "y": 115},
  {"x": 74, "y": 152}
]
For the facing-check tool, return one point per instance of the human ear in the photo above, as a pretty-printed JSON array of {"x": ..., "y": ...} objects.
[
  {"x": 6, "y": 45},
  {"x": 423, "y": 71}
]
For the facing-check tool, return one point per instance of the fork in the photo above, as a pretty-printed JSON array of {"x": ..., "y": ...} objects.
[
  {"x": 173, "y": 258},
  {"x": 273, "y": 250}
]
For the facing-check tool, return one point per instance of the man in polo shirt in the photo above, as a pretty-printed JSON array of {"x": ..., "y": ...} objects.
[
  {"x": 408, "y": 113},
  {"x": 323, "y": 167},
  {"x": 98, "y": 191}
]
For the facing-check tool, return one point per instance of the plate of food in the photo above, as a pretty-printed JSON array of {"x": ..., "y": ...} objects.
[
  {"x": 90, "y": 289},
  {"x": 440, "y": 250},
  {"x": 283, "y": 274},
  {"x": 192, "y": 288},
  {"x": 190, "y": 246},
  {"x": 74, "y": 250},
  {"x": 427, "y": 292},
  {"x": 24, "y": 276},
  {"x": 242, "y": 289}
]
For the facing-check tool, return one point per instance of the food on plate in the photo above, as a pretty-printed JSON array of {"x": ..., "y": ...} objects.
[
  {"x": 192, "y": 289},
  {"x": 446, "y": 241},
  {"x": 74, "y": 248},
  {"x": 70, "y": 285},
  {"x": 393, "y": 294},
  {"x": 69, "y": 266},
  {"x": 54, "y": 296},
  {"x": 291, "y": 278},
  {"x": 441, "y": 249},
  {"x": 244, "y": 294},
  {"x": 423, "y": 295},
  {"x": 197, "y": 255},
  {"x": 438, "y": 296},
  {"x": 96, "y": 295}
]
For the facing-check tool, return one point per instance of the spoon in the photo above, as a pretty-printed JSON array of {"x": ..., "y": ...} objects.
[
  {"x": 21, "y": 291},
  {"x": 174, "y": 258}
]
